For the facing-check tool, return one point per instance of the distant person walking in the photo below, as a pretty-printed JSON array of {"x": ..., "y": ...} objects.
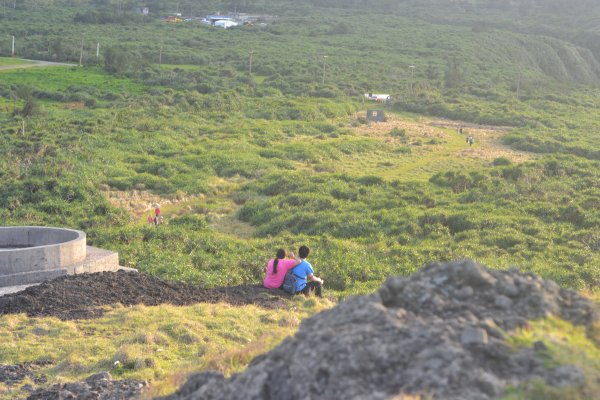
[
  {"x": 278, "y": 267},
  {"x": 306, "y": 282},
  {"x": 157, "y": 211},
  {"x": 470, "y": 140},
  {"x": 150, "y": 219}
]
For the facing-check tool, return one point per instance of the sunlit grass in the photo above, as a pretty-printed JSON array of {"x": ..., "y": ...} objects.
[
  {"x": 160, "y": 344},
  {"x": 566, "y": 344},
  {"x": 4, "y": 61},
  {"x": 60, "y": 78}
]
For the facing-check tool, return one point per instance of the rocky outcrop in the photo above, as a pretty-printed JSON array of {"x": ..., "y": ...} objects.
[
  {"x": 15, "y": 374},
  {"x": 439, "y": 333},
  {"x": 97, "y": 387}
]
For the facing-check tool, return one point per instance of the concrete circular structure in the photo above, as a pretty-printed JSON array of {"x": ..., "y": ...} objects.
[
  {"x": 32, "y": 248},
  {"x": 33, "y": 254}
]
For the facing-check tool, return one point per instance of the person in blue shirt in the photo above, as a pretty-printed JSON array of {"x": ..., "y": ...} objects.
[{"x": 306, "y": 281}]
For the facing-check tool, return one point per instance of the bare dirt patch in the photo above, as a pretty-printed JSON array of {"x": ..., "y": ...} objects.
[
  {"x": 412, "y": 128},
  {"x": 137, "y": 203},
  {"x": 88, "y": 295},
  {"x": 488, "y": 139},
  {"x": 218, "y": 207},
  {"x": 78, "y": 105}
]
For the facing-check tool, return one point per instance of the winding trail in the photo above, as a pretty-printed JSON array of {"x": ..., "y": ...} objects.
[{"x": 433, "y": 145}]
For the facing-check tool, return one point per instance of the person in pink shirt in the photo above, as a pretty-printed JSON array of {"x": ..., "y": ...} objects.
[{"x": 277, "y": 268}]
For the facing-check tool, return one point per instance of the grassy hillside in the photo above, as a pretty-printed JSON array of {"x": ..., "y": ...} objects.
[
  {"x": 297, "y": 169},
  {"x": 160, "y": 344},
  {"x": 243, "y": 163}
]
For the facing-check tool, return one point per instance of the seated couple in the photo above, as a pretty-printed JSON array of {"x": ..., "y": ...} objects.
[{"x": 306, "y": 281}]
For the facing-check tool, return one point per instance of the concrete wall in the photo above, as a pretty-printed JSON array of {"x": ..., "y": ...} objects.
[{"x": 42, "y": 248}]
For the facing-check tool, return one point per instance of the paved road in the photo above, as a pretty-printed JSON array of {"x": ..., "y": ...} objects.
[
  {"x": 14, "y": 289},
  {"x": 36, "y": 63}
]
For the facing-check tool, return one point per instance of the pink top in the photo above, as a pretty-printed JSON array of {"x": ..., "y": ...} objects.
[{"x": 274, "y": 281}]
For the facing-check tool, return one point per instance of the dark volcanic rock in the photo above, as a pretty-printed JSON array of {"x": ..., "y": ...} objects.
[
  {"x": 96, "y": 387},
  {"x": 439, "y": 333},
  {"x": 83, "y": 296},
  {"x": 14, "y": 374}
]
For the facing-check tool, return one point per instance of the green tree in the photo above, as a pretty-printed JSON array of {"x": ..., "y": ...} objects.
[
  {"x": 119, "y": 60},
  {"x": 57, "y": 50},
  {"x": 453, "y": 77}
]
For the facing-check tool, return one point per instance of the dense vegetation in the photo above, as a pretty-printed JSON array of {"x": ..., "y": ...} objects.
[{"x": 276, "y": 157}]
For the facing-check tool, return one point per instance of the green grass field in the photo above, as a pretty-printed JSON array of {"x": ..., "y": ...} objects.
[
  {"x": 61, "y": 78},
  {"x": 160, "y": 344},
  {"x": 567, "y": 345},
  {"x": 4, "y": 61}
]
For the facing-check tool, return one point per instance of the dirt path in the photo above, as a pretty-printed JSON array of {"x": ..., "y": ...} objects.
[
  {"x": 34, "y": 64},
  {"x": 141, "y": 203},
  {"x": 218, "y": 207},
  {"x": 433, "y": 145},
  {"x": 12, "y": 289}
]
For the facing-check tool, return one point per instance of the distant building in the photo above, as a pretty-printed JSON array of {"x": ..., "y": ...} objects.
[
  {"x": 225, "y": 24},
  {"x": 141, "y": 10},
  {"x": 213, "y": 19},
  {"x": 235, "y": 19},
  {"x": 220, "y": 21},
  {"x": 249, "y": 19},
  {"x": 380, "y": 98}
]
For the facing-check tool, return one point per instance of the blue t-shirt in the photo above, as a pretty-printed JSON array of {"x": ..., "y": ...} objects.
[{"x": 301, "y": 271}]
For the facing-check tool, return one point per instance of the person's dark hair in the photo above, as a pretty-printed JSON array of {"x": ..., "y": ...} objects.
[
  {"x": 303, "y": 251},
  {"x": 280, "y": 255}
]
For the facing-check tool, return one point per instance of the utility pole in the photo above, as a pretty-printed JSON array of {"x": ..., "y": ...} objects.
[
  {"x": 81, "y": 52},
  {"x": 324, "y": 57},
  {"x": 250, "y": 64},
  {"x": 160, "y": 54},
  {"x": 412, "y": 77},
  {"x": 12, "y": 53},
  {"x": 97, "y": 50}
]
